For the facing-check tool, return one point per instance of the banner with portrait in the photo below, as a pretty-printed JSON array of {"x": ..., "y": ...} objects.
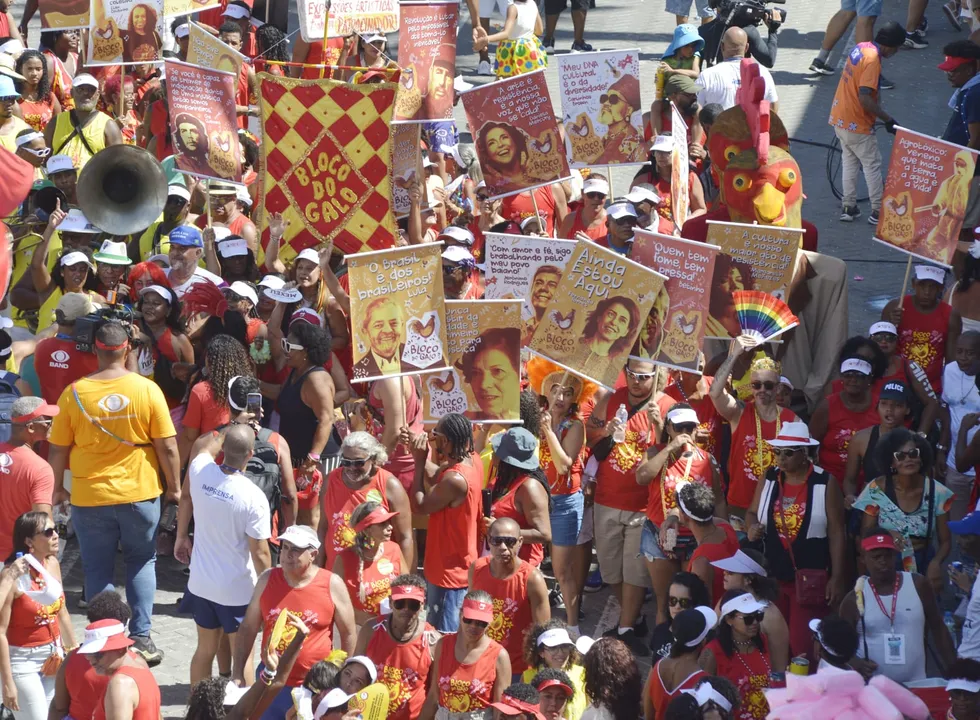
[
  {"x": 397, "y": 312},
  {"x": 601, "y": 107},
  {"x": 753, "y": 257},
  {"x": 515, "y": 133},
  {"x": 125, "y": 32},
  {"x": 326, "y": 149},
  {"x": 427, "y": 56},
  {"x": 406, "y": 168},
  {"x": 597, "y": 313},
  {"x": 206, "y": 50},
  {"x": 203, "y": 121},
  {"x": 525, "y": 268},
  {"x": 680, "y": 169},
  {"x": 346, "y": 17},
  {"x": 484, "y": 378},
  {"x": 64, "y": 14},
  {"x": 674, "y": 330},
  {"x": 925, "y": 197}
]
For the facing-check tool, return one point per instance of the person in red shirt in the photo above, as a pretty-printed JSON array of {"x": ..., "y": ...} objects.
[
  {"x": 240, "y": 13},
  {"x": 131, "y": 687},
  {"x": 715, "y": 537},
  {"x": 26, "y": 480},
  {"x": 57, "y": 360},
  {"x": 693, "y": 388},
  {"x": 549, "y": 201},
  {"x": 590, "y": 217},
  {"x": 670, "y": 676}
]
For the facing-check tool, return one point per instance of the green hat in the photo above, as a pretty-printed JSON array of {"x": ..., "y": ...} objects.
[{"x": 680, "y": 84}]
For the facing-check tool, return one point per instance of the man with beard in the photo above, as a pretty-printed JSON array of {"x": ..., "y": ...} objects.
[
  {"x": 84, "y": 131},
  {"x": 191, "y": 143},
  {"x": 384, "y": 327},
  {"x": 186, "y": 249},
  {"x": 682, "y": 91},
  {"x": 720, "y": 82},
  {"x": 156, "y": 238},
  {"x": 440, "y": 91},
  {"x": 616, "y": 108},
  {"x": 543, "y": 286},
  {"x": 503, "y": 153}
]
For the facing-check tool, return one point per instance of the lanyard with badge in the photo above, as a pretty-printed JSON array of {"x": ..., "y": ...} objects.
[{"x": 894, "y": 642}]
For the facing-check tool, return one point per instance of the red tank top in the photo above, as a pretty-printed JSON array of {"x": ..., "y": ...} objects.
[
  {"x": 403, "y": 668},
  {"x": 401, "y": 464},
  {"x": 511, "y": 608},
  {"x": 749, "y": 672},
  {"x": 663, "y": 488},
  {"x": 241, "y": 96},
  {"x": 32, "y": 624},
  {"x": 314, "y": 604},
  {"x": 86, "y": 687},
  {"x": 716, "y": 551},
  {"x": 708, "y": 418},
  {"x": 62, "y": 80},
  {"x": 149, "y": 704},
  {"x": 506, "y": 507},
  {"x": 520, "y": 206},
  {"x": 451, "y": 545},
  {"x": 748, "y": 459},
  {"x": 570, "y": 482},
  {"x": 661, "y": 697},
  {"x": 841, "y": 426},
  {"x": 922, "y": 338},
  {"x": 374, "y": 584},
  {"x": 466, "y": 688},
  {"x": 339, "y": 502},
  {"x": 616, "y": 485},
  {"x": 316, "y": 56},
  {"x": 597, "y": 232}
]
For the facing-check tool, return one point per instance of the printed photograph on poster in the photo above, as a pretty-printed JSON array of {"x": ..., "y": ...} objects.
[
  {"x": 64, "y": 14},
  {"x": 675, "y": 327},
  {"x": 752, "y": 257},
  {"x": 680, "y": 169},
  {"x": 427, "y": 56},
  {"x": 515, "y": 133},
  {"x": 346, "y": 17},
  {"x": 205, "y": 132},
  {"x": 125, "y": 32},
  {"x": 925, "y": 197},
  {"x": 398, "y": 316},
  {"x": 525, "y": 268},
  {"x": 484, "y": 379},
  {"x": 406, "y": 159},
  {"x": 206, "y": 50},
  {"x": 601, "y": 107},
  {"x": 597, "y": 313}
]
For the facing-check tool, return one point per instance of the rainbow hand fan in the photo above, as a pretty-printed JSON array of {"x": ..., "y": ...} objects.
[{"x": 761, "y": 315}]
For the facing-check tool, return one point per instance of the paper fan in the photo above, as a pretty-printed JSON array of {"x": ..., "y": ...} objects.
[{"x": 761, "y": 315}]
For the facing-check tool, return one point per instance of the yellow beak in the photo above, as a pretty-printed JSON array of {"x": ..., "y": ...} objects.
[{"x": 770, "y": 206}]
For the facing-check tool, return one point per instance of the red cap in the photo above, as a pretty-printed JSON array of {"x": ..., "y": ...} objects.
[
  {"x": 42, "y": 410},
  {"x": 408, "y": 592},
  {"x": 375, "y": 517},
  {"x": 951, "y": 63},
  {"x": 512, "y": 706},
  {"x": 878, "y": 542},
  {"x": 554, "y": 682},
  {"x": 477, "y": 610},
  {"x": 306, "y": 315}
]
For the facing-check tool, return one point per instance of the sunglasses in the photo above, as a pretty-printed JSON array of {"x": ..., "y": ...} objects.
[
  {"x": 353, "y": 463},
  {"x": 413, "y": 605},
  {"x": 752, "y": 618},
  {"x": 685, "y": 428},
  {"x": 768, "y": 385},
  {"x": 476, "y": 623},
  {"x": 482, "y": 198},
  {"x": 48, "y": 532},
  {"x": 595, "y": 195},
  {"x": 287, "y": 346},
  {"x": 42, "y": 153},
  {"x": 683, "y": 603},
  {"x": 626, "y": 220},
  {"x": 853, "y": 375},
  {"x": 610, "y": 98},
  {"x": 912, "y": 454},
  {"x": 884, "y": 337},
  {"x": 785, "y": 452},
  {"x": 499, "y": 540},
  {"x": 639, "y": 376}
]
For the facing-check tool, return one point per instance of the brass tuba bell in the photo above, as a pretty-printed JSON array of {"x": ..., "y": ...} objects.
[{"x": 122, "y": 189}]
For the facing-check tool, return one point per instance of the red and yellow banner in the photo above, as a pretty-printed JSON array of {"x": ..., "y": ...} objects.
[
  {"x": 926, "y": 193},
  {"x": 427, "y": 55},
  {"x": 326, "y": 148}
]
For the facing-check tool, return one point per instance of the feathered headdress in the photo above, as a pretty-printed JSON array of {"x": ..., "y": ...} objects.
[
  {"x": 204, "y": 297},
  {"x": 542, "y": 374}
]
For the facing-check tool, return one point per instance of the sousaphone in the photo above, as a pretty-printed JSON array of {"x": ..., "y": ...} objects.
[{"x": 122, "y": 189}]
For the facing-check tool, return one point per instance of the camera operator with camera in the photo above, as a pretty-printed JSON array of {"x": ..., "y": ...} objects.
[
  {"x": 57, "y": 360},
  {"x": 747, "y": 15}
]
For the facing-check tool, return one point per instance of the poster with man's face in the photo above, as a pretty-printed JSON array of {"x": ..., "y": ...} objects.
[
  {"x": 398, "y": 314},
  {"x": 601, "y": 107},
  {"x": 516, "y": 134},
  {"x": 125, "y": 32},
  {"x": 427, "y": 56}
]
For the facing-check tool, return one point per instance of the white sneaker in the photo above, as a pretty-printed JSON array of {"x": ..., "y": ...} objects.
[{"x": 484, "y": 68}]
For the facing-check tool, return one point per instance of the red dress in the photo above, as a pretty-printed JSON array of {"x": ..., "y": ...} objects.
[
  {"x": 661, "y": 697},
  {"x": 338, "y": 502},
  {"x": 841, "y": 426},
  {"x": 372, "y": 585},
  {"x": 403, "y": 668},
  {"x": 750, "y": 675},
  {"x": 511, "y": 608},
  {"x": 716, "y": 551},
  {"x": 466, "y": 688},
  {"x": 922, "y": 338},
  {"x": 748, "y": 458},
  {"x": 506, "y": 507}
]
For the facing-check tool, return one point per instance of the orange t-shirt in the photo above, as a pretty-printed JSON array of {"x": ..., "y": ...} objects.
[
  {"x": 25, "y": 480},
  {"x": 203, "y": 411},
  {"x": 862, "y": 70}
]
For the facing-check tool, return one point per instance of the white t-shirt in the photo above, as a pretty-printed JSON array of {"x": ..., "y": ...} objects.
[
  {"x": 200, "y": 275},
  {"x": 720, "y": 82},
  {"x": 962, "y": 397},
  {"x": 227, "y": 508},
  {"x": 970, "y": 642}
]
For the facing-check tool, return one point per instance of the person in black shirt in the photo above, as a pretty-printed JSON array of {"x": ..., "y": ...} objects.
[{"x": 686, "y": 591}]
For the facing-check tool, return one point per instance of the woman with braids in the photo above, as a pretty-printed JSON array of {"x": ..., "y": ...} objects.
[
  {"x": 753, "y": 423},
  {"x": 612, "y": 682},
  {"x": 368, "y": 567},
  {"x": 38, "y": 104},
  {"x": 549, "y": 647},
  {"x": 515, "y": 453},
  {"x": 165, "y": 344},
  {"x": 562, "y": 453},
  {"x": 672, "y": 675},
  {"x": 447, "y": 488},
  {"x": 272, "y": 45}
]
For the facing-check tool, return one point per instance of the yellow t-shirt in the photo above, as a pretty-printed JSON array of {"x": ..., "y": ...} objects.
[
  {"x": 579, "y": 702},
  {"x": 105, "y": 471},
  {"x": 22, "y": 263}
]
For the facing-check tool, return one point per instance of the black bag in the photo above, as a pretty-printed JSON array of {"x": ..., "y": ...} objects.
[{"x": 263, "y": 469}]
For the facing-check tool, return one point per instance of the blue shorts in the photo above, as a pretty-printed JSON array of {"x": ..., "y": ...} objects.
[
  {"x": 683, "y": 7},
  {"x": 443, "y": 607},
  {"x": 651, "y": 550},
  {"x": 566, "y": 518},
  {"x": 211, "y": 615},
  {"x": 863, "y": 8}
]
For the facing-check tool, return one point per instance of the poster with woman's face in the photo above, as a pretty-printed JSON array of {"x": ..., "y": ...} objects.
[
  {"x": 125, "y": 32},
  {"x": 483, "y": 381}
]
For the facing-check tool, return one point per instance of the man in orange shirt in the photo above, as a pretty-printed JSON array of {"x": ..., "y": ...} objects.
[{"x": 853, "y": 114}]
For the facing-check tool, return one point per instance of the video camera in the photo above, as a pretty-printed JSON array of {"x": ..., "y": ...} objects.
[
  {"x": 746, "y": 13},
  {"x": 87, "y": 326}
]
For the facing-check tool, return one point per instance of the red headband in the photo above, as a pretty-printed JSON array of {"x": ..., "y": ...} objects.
[
  {"x": 879, "y": 542},
  {"x": 407, "y": 592},
  {"x": 478, "y": 610},
  {"x": 376, "y": 516},
  {"x": 555, "y": 682},
  {"x": 102, "y": 346},
  {"x": 517, "y": 704},
  {"x": 43, "y": 410}
]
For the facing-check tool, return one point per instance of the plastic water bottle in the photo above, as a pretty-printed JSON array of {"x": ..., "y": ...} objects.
[
  {"x": 622, "y": 415},
  {"x": 950, "y": 624}
]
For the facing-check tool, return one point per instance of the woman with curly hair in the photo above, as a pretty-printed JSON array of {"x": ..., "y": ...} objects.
[
  {"x": 127, "y": 120},
  {"x": 549, "y": 646},
  {"x": 141, "y": 41},
  {"x": 38, "y": 103},
  {"x": 612, "y": 682},
  {"x": 272, "y": 45},
  {"x": 165, "y": 342}
]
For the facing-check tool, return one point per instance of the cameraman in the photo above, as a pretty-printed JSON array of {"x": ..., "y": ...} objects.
[
  {"x": 57, "y": 361},
  {"x": 762, "y": 50}
]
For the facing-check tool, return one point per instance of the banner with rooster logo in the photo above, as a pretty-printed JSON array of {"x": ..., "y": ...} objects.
[
  {"x": 484, "y": 379},
  {"x": 207, "y": 51},
  {"x": 203, "y": 121},
  {"x": 406, "y": 169},
  {"x": 397, "y": 312},
  {"x": 125, "y": 32},
  {"x": 598, "y": 311},
  {"x": 674, "y": 329},
  {"x": 601, "y": 107},
  {"x": 516, "y": 135},
  {"x": 925, "y": 198},
  {"x": 427, "y": 56}
]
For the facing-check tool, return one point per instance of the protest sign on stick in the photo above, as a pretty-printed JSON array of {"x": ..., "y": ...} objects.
[
  {"x": 406, "y": 168},
  {"x": 64, "y": 14},
  {"x": 346, "y": 17},
  {"x": 398, "y": 316},
  {"x": 680, "y": 169},
  {"x": 206, "y": 50},
  {"x": 484, "y": 379},
  {"x": 126, "y": 32},
  {"x": 427, "y": 57},
  {"x": 173, "y": 8}
]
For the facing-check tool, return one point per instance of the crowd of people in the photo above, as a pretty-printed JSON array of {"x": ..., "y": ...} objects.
[{"x": 785, "y": 508}]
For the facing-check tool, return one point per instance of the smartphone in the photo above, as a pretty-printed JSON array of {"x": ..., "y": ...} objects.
[
  {"x": 487, "y": 502},
  {"x": 253, "y": 404}
]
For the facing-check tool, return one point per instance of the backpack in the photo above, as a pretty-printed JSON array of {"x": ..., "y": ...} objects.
[
  {"x": 8, "y": 393},
  {"x": 263, "y": 469}
]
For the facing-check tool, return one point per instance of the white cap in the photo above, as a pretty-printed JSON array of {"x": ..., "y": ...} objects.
[
  {"x": 427, "y": 162},
  {"x": 182, "y": 31},
  {"x": 159, "y": 290},
  {"x": 620, "y": 210},
  {"x": 180, "y": 191},
  {"x": 783, "y": 380},
  {"x": 283, "y": 295},
  {"x": 242, "y": 289},
  {"x": 680, "y": 416},
  {"x": 367, "y": 663},
  {"x": 74, "y": 258},
  {"x": 741, "y": 564},
  {"x": 236, "y": 12},
  {"x": 460, "y": 85},
  {"x": 59, "y": 163},
  {"x": 744, "y": 604},
  {"x": 28, "y": 137},
  {"x": 76, "y": 222},
  {"x": 597, "y": 185},
  {"x": 373, "y": 36},
  {"x": 457, "y": 254},
  {"x": 930, "y": 272},
  {"x": 334, "y": 699},
  {"x": 233, "y": 247},
  {"x": 555, "y": 637},
  {"x": 459, "y": 234},
  {"x": 272, "y": 282},
  {"x": 856, "y": 365},
  {"x": 96, "y": 638},
  {"x": 302, "y": 536},
  {"x": 161, "y": 258},
  {"x": 970, "y": 686},
  {"x": 663, "y": 143},
  {"x": 532, "y": 219},
  {"x": 883, "y": 327},
  {"x": 85, "y": 80},
  {"x": 642, "y": 194},
  {"x": 241, "y": 194},
  {"x": 584, "y": 644},
  {"x": 309, "y": 254},
  {"x": 12, "y": 47}
]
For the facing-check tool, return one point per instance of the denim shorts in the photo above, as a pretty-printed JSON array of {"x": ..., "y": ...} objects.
[
  {"x": 566, "y": 518},
  {"x": 211, "y": 615},
  {"x": 864, "y": 8},
  {"x": 443, "y": 606},
  {"x": 683, "y": 7},
  {"x": 651, "y": 550}
]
